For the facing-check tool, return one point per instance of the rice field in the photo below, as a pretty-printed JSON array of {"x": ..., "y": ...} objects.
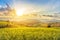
[
  {"x": 27, "y": 33},
  {"x": 11, "y": 31}
]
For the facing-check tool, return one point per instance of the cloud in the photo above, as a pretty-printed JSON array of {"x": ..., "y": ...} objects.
[
  {"x": 49, "y": 6},
  {"x": 0, "y": 6}
]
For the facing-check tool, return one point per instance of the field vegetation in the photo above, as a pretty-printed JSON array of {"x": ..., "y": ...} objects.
[
  {"x": 27, "y": 31},
  {"x": 29, "y": 34}
]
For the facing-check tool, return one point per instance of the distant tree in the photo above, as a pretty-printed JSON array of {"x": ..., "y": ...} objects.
[{"x": 49, "y": 25}]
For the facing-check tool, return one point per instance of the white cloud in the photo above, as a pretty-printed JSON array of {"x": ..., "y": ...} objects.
[
  {"x": 49, "y": 7},
  {"x": 0, "y": 6}
]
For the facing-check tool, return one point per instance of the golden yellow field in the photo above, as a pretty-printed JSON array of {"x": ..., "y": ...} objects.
[{"x": 30, "y": 33}]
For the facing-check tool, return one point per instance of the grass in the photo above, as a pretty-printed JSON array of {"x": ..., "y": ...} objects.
[
  {"x": 27, "y": 33},
  {"x": 16, "y": 32}
]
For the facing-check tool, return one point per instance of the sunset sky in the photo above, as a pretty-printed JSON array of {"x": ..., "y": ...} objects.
[{"x": 48, "y": 6}]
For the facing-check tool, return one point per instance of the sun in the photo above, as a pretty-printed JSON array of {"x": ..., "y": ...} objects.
[{"x": 20, "y": 12}]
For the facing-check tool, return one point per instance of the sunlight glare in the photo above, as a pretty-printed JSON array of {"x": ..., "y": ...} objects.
[{"x": 20, "y": 12}]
